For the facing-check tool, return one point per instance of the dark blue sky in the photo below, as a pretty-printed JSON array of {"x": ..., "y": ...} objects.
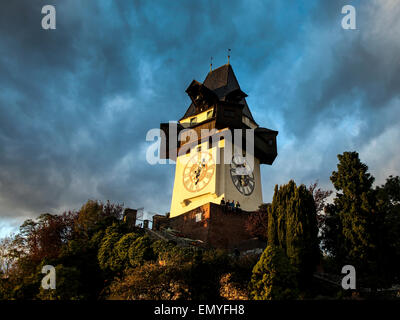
[{"x": 76, "y": 102}]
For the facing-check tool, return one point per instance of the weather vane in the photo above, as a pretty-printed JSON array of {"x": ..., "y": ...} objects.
[
  {"x": 229, "y": 54},
  {"x": 211, "y": 64}
]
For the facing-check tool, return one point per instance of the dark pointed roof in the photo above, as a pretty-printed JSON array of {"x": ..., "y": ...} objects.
[{"x": 222, "y": 81}]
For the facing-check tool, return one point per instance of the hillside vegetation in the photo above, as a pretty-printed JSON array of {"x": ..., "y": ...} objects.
[{"x": 97, "y": 255}]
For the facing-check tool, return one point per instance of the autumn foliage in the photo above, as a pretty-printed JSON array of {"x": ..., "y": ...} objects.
[{"x": 97, "y": 255}]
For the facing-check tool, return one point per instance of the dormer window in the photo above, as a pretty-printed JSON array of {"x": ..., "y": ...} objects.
[
  {"x": 209, "y": 114},
  {"x": 193, "y": 121}
]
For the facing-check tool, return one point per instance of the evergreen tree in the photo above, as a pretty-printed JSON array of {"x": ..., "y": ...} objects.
[
  {"x": 353, "y": 231},
  {"x": 273, "y": 278},
  {"x": 140, "y": 251},
  {"x": 389, "y": 208},
  {"x": 332, "y": 241},
  {"x": 355, "y": 204},
  {"x": 292, "y": 226},
  {"x": 108, "y": 257},
  {"x": 362, "y": 226}
]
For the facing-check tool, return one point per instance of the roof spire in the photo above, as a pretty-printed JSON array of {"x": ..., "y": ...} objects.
[
  {"x": 211, "y": 64},
  {"x": 229, "y": 54}
]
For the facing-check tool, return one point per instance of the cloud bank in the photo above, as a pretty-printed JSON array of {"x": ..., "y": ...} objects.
[{"x": 76, "y": 102}]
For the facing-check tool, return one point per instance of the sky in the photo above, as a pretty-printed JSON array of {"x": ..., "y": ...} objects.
[{"x": 76, "y": 102}]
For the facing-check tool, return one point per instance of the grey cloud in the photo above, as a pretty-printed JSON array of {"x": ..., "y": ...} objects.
[{"x": 76, "y": 102}]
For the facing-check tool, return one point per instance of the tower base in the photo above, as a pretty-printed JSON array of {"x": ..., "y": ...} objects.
[{"x": 213, "y": 224}]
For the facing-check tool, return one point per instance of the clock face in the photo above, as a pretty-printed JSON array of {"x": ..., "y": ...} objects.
[
  {"x": 198, "y": 172},
  {"x": 242, "y": 175}
]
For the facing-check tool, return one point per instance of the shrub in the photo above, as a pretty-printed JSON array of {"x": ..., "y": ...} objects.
[{"x": 273, "y": 278}]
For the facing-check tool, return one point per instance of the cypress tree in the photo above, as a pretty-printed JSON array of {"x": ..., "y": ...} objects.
[{"x": 293, "y": 227}]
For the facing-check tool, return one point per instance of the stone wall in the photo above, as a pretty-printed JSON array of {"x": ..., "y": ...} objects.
[{"x": 213, "y": 224}]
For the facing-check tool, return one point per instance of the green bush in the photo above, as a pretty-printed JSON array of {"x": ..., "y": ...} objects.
[
  {"x": 68, "y": 285},
  {"x": 273, "y": 278},
  {"x": 140, "y": 251},
  {"x": 107, "y": 256}
]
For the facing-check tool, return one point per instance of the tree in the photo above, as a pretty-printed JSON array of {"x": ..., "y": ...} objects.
[
  {"x": 71, "y": 242},
  {"x": 45, "y": 237},
  {"x": 213, "y": 264},
  {"x": 292, "y": 226},
  {"x": 355, "y": 207},
  {"x": 320, "y": 197},
  {"x": 95, "y": 215},
  {"x": 332, "y": 239},
  {"x": 107, "y": 255},
  {"x": 388, "y": 204},
  {"x": 68, "y": 285},
  {"x": 7, "y": 256},
  {"x": 362, "y": 226},
  {"x": 122, "y": 248},
  {"x": 151, "y": 281},
  {"x": 140, "y": 251},
  {"x": 170, "y": 272},
  {"x": 273, "y": 278}
]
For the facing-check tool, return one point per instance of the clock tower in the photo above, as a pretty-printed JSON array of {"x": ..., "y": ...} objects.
[{"x": 211, "y": 149}]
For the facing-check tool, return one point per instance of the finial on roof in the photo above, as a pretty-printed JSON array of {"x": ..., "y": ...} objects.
[
  {"x": 229, "y": 54},
  {"x": 211, "y": 64}
]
